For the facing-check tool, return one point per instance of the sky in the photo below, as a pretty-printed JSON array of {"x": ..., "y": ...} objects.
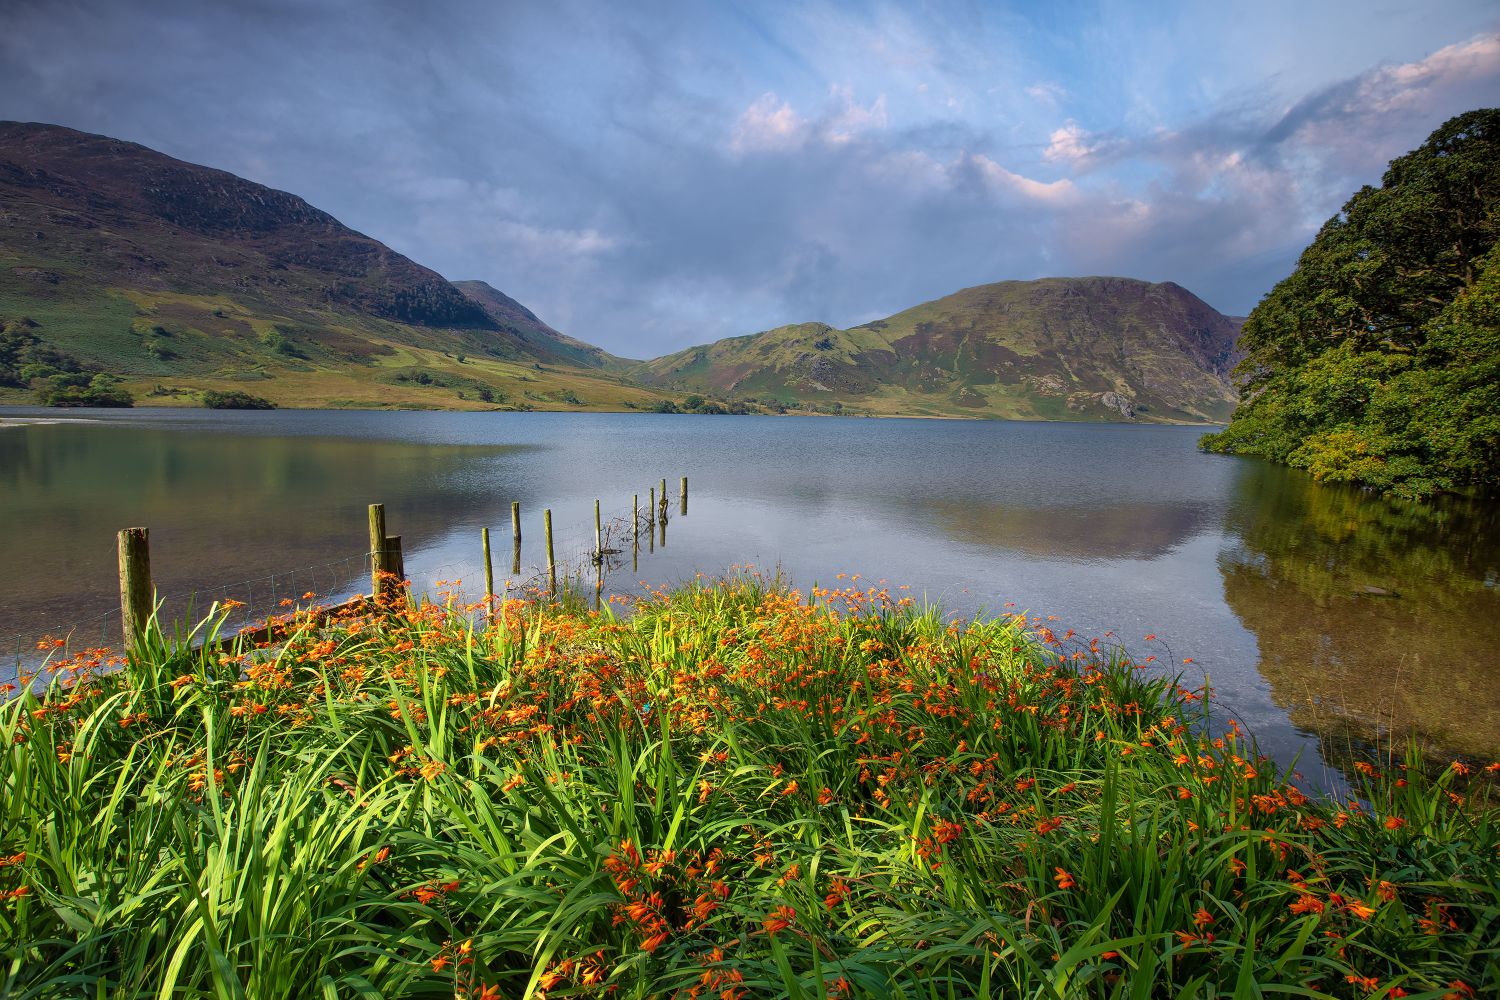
[{"x": 651, "y": 175}]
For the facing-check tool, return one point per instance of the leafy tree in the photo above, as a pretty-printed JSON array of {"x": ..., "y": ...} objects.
[
  {"x": 1376, "y": 362},
  {"x": 82, "y": 389}
]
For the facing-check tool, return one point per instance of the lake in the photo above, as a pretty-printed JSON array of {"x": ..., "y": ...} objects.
[{"x": 1323, "y": 615}]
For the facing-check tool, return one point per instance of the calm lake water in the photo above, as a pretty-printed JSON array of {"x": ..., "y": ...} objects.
[{"x": 1323, "y": 615}]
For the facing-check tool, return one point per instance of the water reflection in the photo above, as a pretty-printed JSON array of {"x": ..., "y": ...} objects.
[
  {"x": 1373, "y": 616},
  {"x": 1268, "y": 580},
  {"x": 1127, "y": 530},
  {"x": 218, "y": 508}
]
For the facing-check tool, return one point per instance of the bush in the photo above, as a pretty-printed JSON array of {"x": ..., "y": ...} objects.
[
  {"x": 235, "y": 400},
  {"x": 81, "y": 389}
]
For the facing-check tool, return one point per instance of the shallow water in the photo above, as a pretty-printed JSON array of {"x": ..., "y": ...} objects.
[{"x": 1322, "y": 615}]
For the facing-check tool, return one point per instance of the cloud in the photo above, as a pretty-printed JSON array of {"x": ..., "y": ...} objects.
[
  {"x": 1047, "y": 93},
  {"x": 663, "y": 175},
  {"x": 771, "y": 124},
  {"x": 768, "y": 124},
  {"x": 1070, "y": 145}
]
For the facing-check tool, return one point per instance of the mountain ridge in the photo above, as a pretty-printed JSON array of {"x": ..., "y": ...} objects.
[
  {"x": 1049, "y": 348},
  {"x": 132, "y": 262}
]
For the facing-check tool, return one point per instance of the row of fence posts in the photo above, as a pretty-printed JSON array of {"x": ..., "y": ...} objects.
[
  {"x": 387, "y": 564},
  {"x": 656, "y": 519}
]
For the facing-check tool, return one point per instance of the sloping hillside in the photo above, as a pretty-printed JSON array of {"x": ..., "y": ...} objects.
[
  {"x": 180, "y": 278},
  {"x": 1057, "y": 348}
]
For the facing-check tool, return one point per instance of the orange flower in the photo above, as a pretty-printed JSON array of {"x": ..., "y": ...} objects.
[
  {"x": 779, "y": 920},
  {"x": 1202, "y": 918},
  {"x": 1307, "y": 904},
  {"x": 1064, "y": 880},
  {"x": 1394, "y": 822}
]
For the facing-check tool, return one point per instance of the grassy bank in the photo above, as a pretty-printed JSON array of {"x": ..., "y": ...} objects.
[{"x": 732, "y": 793}]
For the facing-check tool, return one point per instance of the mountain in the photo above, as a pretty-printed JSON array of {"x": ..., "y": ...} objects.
[
  {"x": 514, "y": 318},
  {"x": 1056, "y": 348},
  {"x": 186, "y": 278}
]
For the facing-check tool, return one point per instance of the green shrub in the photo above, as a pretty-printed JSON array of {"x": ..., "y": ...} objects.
[{"x": 235, "y": 400}]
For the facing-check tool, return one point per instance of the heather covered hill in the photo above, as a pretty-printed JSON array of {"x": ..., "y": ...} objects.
[
  {"x": 1056, "y": 348},
  {"x": 116, "y": 258}
]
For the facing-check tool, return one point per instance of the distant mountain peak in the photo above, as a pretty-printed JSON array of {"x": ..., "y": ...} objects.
[{"x": 1098, "y": 347}]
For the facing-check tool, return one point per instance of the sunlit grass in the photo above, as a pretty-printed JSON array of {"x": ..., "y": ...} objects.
[{"x": 732, "y": 792}]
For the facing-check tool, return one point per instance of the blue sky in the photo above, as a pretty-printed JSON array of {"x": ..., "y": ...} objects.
[{"x": 648, "y": 176}]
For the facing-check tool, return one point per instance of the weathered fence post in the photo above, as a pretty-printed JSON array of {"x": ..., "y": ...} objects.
[
  {"x": 651, "y": 518},
  {"x": 378, "y": 563},
  {"x": 684, "y": 494},
  {"x": 395, "y": 562},
  {"x": 489, "y": 572},
  {"x": 136, "y": 592},
  {"x": 551, "y": 564},
  {"x": 515, "y": 531},
  {"x": 598, "y": 537},
  {"x": 635, "y": 533},
  {"x": 663, "y": 501}
]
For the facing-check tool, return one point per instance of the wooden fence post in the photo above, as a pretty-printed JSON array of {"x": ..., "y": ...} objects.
[
  {"x": 395, "y": 562},
  {"x": 489, "y": 571},
  {"x": 635, "y": 532},
  {"x": 598, "y": 537},
  {"x": 684, "y": 494},
  {"x": 663, "y": 501},
  {"x": 551, "y": 564},
  {"x": 377, "y": 548},
  {"x": 136, "y": 592},
  {"x": 651, "y": 518},
  {"x": 515, "y": 531}
]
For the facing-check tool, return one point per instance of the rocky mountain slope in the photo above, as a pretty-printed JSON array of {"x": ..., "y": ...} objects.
[
  {"x": 1056, "y": 348},
  {"x": 166, "y": 272}
]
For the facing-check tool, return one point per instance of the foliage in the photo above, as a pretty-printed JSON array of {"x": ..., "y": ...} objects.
[
  {"x": 235, "y": 400},
  {"x": 734, "y": 793},
  {"x": 1378, "y": 360},
  {"x": 25, "y": 356},
  {"x": 83, "y": 389}
]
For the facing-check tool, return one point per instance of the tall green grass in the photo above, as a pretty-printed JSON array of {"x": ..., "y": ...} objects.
[{"x": 734, "y": 792}]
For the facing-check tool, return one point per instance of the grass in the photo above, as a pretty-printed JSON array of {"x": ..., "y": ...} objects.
[{"x": 732, "y": 792}]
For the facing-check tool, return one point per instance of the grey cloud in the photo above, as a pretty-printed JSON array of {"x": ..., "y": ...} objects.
[{"x": 602, "y": 190}]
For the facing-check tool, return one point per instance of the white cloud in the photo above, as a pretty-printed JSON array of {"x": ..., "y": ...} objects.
[
  {"x": 1046, "y": 92},
  {"x": 1070, "y": 144},
  {"x": 773, "y": 125},
  {"x": 550, "y": 242},
  {"x": 768, "y": 124},
  {"x": 1000, "y": 179}
]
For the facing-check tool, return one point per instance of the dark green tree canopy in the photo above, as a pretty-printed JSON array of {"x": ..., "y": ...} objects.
[{"x": 1377, "y": 360}]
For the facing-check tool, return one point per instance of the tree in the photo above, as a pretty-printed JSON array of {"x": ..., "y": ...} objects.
[{"x": 1375, "y": 362}]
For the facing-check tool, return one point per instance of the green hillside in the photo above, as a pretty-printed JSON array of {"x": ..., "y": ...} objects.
[
  {"x": 180, "y": 279},
  {"x": 1058, "y": 348}
]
